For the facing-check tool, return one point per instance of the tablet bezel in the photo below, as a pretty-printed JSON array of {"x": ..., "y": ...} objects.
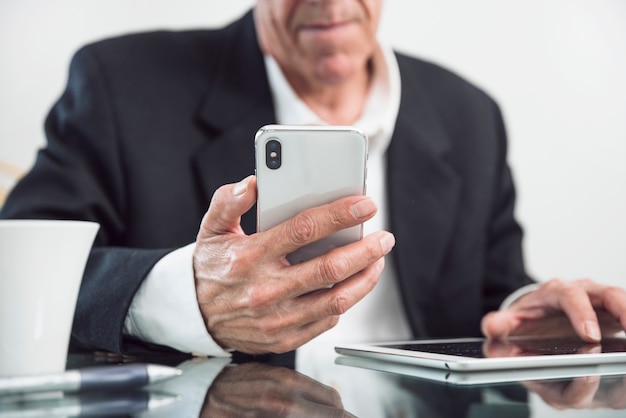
[
  {"x": 382, "y": 351},
  {"x": 483, "y": 377}
]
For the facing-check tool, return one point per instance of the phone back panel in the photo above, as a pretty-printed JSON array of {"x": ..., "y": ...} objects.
[{"x": 319, "y": 164}]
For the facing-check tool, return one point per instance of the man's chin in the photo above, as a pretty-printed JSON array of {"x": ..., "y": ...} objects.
[{"x": 336, "y": 69}]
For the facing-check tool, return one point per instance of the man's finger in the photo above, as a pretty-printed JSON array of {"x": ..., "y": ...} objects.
[
  {"x": 340, "y": 263},
  {"x": 228, "y": 203},
  {"x": 576, "y": 304},
  {"x": 343, "y": 296},
  {"x": 313, "y": 224},
  {"x": 499, "y": 324},
  {"x": 613, "y": 300}
]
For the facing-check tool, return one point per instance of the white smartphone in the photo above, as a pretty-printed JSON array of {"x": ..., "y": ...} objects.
[{"x": 299, "y": 167}]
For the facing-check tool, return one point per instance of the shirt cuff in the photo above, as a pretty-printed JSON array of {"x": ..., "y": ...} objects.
[
  {"x": 165, "y": 309},
  {"x": 522, "y": 291}
]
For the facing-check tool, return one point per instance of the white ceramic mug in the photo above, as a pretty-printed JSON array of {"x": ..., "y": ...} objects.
[{"x": 41, "y": 267}]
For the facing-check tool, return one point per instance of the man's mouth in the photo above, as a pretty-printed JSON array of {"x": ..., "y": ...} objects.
[{"x": 325, "y": 27}]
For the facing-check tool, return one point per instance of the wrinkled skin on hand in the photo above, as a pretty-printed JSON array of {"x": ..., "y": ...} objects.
[{"x": 252, "y": 300}]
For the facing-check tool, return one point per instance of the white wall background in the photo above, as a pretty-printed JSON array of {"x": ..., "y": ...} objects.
[{"x": 557, "y": 68}]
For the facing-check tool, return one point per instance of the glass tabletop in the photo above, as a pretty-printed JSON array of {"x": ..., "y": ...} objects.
[{"x": 244, "y": 386}]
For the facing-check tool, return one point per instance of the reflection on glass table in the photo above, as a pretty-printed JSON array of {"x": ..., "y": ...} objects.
[
  {"x": 559, "y": 389},
  {"x": 58, "y": 404},
  {"x": 218, "y": 387}
]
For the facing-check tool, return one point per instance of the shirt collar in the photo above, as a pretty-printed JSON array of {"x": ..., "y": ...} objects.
[{"x": 379, "y": 113}]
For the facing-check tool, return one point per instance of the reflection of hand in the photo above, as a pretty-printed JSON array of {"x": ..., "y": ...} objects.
[
  {"x": 527, "y": 347},
  {"x": 252, "y": 299},
  {"x": 582, "y": 392},
  {"x": 256, "y": 389},
  {"x": 560, "y": 307},
  {"x": 577, "y": 393}
]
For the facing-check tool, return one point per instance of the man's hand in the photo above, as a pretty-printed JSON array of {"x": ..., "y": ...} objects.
[
  {"x": 252, "y": 300},
  {"x": 560, "y": 307}
]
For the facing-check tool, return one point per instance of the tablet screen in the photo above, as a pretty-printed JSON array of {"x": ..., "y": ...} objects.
[{"x": 514, "y": 347}]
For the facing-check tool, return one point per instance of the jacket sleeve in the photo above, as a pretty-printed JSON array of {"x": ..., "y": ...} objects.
[{"x": 80, "y": 175}]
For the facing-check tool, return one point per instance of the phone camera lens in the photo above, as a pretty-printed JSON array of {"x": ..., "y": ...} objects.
[
  {"x": 273, "y": 154},
  {"x": 273, "y": 145}
]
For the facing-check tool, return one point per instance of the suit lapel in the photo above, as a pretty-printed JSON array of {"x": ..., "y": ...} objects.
[
  {"x": 423, "y": 196},
  {"x": 237, "y": 104}
]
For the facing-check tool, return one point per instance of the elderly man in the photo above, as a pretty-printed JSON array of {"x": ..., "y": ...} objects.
[{"x": 151, "y": 125}]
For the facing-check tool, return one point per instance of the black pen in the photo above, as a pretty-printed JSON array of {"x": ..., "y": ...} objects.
[{"x": 112, "y": 377}]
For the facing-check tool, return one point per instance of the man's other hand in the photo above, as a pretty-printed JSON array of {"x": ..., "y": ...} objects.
[{"x": 559, "y": 307}]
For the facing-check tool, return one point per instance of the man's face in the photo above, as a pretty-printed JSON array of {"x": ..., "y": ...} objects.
[{"x": 318, "y": 41}]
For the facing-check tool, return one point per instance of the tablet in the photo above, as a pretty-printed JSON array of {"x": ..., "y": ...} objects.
[
  {"x": 471, "y": 354},
  {"x": 484, "y": 377}
]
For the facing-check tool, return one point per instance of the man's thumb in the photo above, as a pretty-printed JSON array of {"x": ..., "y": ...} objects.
[{"x": 228, "y": 203}]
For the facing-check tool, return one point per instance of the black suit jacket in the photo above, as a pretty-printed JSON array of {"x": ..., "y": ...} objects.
[{"x": 150, "y": 125}]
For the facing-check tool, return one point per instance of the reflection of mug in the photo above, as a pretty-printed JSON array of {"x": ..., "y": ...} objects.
[{"x": 41, "y": 267}]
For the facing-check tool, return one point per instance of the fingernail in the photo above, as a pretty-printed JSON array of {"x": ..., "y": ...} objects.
[
  {"x": 363, "y": 208},
  {"x": 592, "y": 330},
  {"x": 241, "y": 187},
  {"x": 387, "y": 241}
]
